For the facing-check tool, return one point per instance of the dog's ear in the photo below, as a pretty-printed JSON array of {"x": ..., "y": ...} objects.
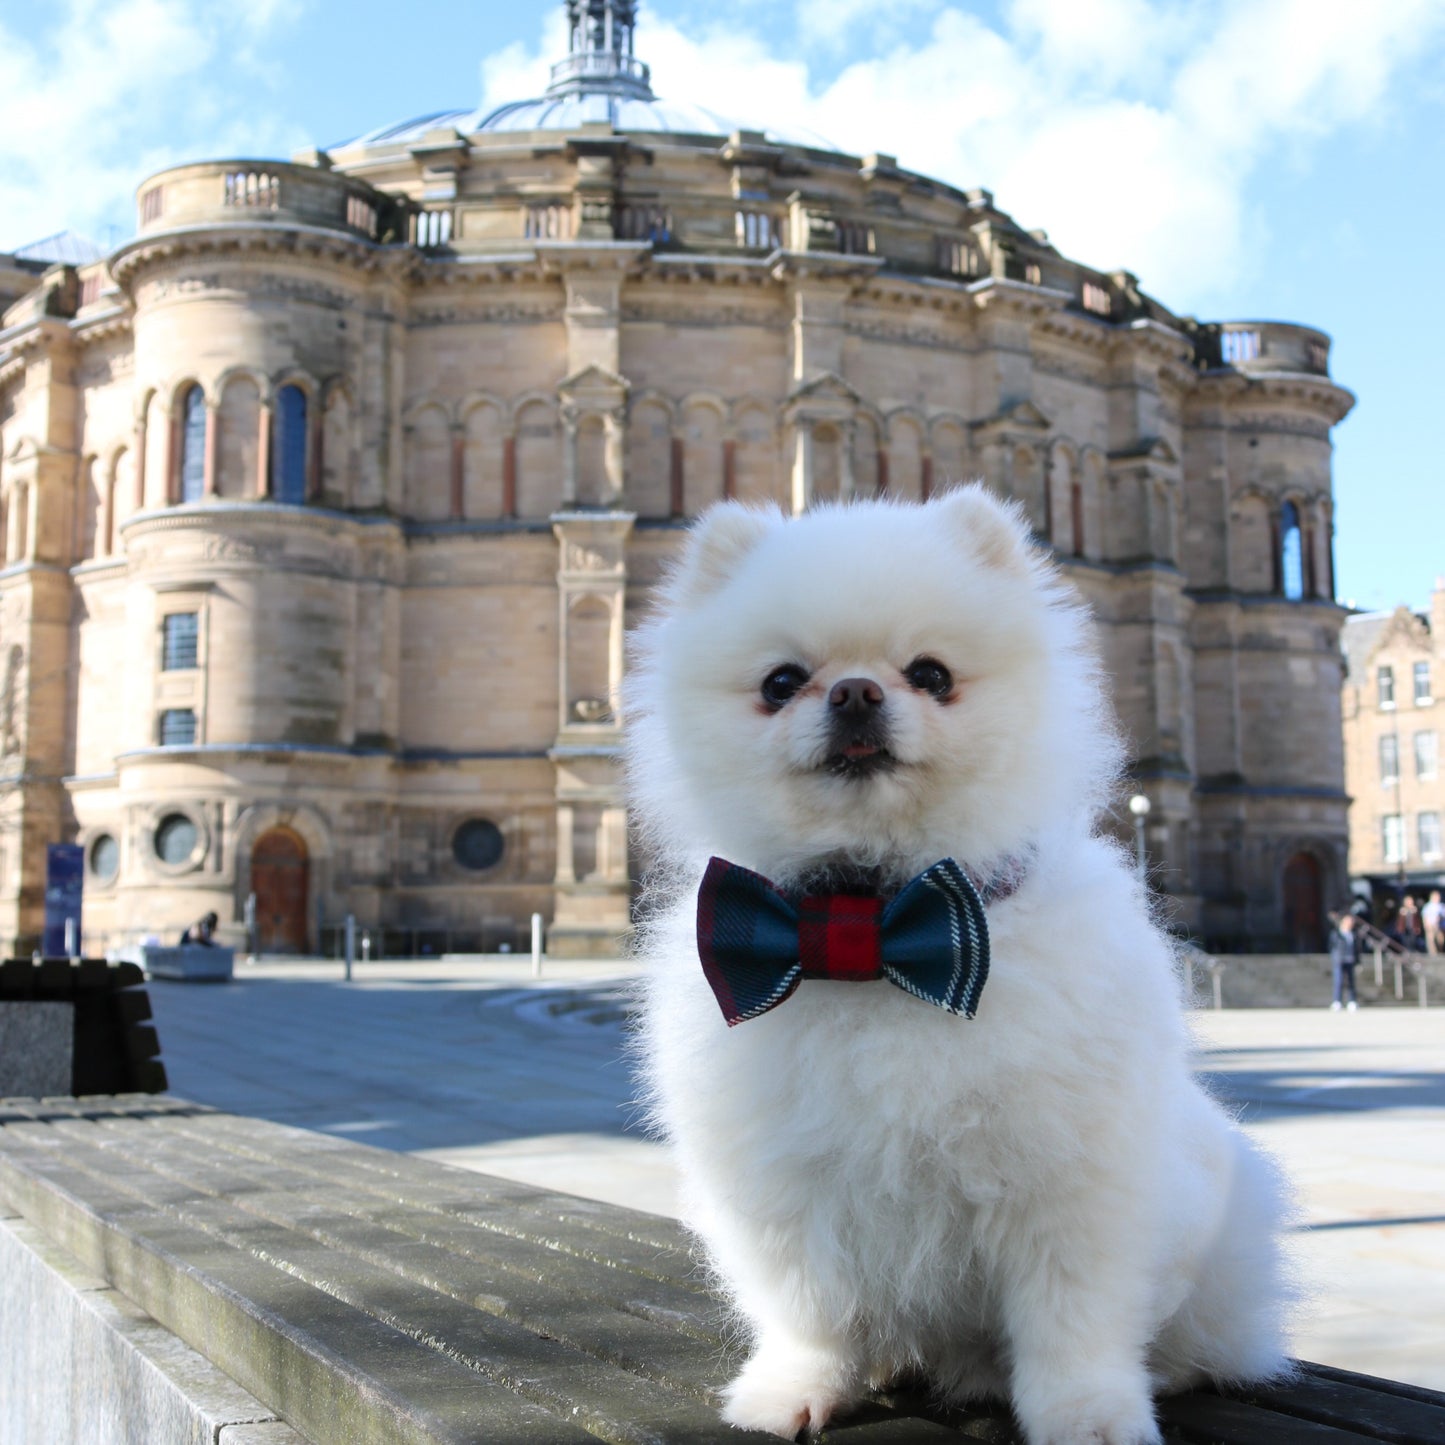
[
  {"x": 996, "y": 532},
  {"x": 719, "y": 541}
]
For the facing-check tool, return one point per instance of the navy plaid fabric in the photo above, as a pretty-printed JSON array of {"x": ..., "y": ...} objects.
[{"x": 757, "y": 944}]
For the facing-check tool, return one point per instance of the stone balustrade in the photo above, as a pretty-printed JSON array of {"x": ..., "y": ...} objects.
[
  {"x": 217, "y": 192},
  {"x": 1261, "y": 346}
]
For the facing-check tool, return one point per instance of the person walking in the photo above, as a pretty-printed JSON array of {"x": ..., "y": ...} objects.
[
  {"x": 1344, "y": 955},
  {"x": 1431, "y": 917}
]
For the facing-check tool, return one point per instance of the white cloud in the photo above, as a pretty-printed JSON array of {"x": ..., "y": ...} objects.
[
  {"x": 1129, "y": 129},
  {"x": 114, "y": 90}
]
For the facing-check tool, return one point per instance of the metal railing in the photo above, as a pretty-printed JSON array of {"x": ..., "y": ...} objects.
[{"x": 1380, "y": 943}]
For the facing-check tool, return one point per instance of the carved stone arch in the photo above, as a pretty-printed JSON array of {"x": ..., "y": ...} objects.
[
  {"x": 296, "y": 376},
  {"x": 336, "y": 442},
  {"x": 704, "y": 399},
  {"x": 224, "y": 378},
  {"x": 948, "y": 450},
  {"x": 1089, "y": 530},
  {"x": 537, "y": 434},
  {"x": 473, "y": 399},
  {"x": 709, "y": 452},
  {"x": 906, "y": 437},
  {"x": 751, "y": 468},
  {"x": 119, "y": 496},
  {"x": 240, "y": 466},
  {"x": 654, "y": 470},
  {"x": 427, "y": 460},
  {"x": 143, "y": 399},
  {"x": 1251, "y": 542},
  {"x": 525, "y": 399},
  {"x": 338, "y": 384},
  {"x": 653, "y": 397},
  {"x": 1063, "y": 497},
  {"x": 188, "y": 453},
  {"x": 309, "y": 825},
  {"x": 485, "y": 447},
  {"x": 89, "y": 512},
  {"x": 869, "y": 463},
  {"x": 420, "y": 404}
]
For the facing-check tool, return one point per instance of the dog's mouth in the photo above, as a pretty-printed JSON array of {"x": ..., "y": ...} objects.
[{"x": 860, "y": 760}]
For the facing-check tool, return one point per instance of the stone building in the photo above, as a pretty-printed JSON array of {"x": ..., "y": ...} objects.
[
  {"x": 327, "y": 499},
  {"x": 1394, "y": 674}
]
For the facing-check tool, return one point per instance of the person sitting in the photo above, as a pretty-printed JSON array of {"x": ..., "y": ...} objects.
[{"x": 202, "y": 932}]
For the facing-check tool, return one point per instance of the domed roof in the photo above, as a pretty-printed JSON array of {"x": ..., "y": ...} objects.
[{"x": 600, "y": 82}]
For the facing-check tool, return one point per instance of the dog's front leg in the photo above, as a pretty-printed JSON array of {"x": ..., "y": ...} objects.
[
  {"x": 793, "y": 1384},
  {"x": 1075, "y": 1298}
]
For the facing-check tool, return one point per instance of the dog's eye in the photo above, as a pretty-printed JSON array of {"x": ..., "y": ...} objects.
[
  {"x": 929, "y": 675},
  {"x": 781, "y": 683}
]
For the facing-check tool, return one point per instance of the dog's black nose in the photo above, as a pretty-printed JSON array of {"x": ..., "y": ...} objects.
[{"x": 855, "y": 696}]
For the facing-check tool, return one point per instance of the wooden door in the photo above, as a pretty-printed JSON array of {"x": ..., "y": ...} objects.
[
  {"x": 280, "y": 873},
  {"x": 1304, "y": 910}
]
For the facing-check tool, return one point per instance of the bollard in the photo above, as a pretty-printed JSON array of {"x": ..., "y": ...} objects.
[
  {"x": 350, "y": 943},
  {"x": 366, "y": 945},
  {"x": 72, "y": 944},
  {"x": 1216, "y": 977},
  {"x": 1379, "y": 967},
  {"x": 536, "y": 945},
  {"x": 1399, "y": 978}
]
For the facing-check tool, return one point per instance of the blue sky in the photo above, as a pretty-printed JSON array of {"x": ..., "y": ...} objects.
[{"x": 1246, "y": 158}]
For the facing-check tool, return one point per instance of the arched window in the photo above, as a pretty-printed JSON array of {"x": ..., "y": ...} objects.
[
  {"x": 193, "y": 445},
  {"x": 1291, "y": 553},
  {"x": 288, "y": 447}
]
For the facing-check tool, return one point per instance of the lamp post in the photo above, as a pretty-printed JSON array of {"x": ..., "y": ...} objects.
[{"x": 1139, "y": 806}]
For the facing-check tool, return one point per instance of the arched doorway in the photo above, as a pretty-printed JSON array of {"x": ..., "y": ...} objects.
[
  {"x": 280, "y": 873},
  {"x": 1304, "y": 905}
]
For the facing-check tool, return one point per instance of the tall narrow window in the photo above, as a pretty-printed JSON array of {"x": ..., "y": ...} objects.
[
  {"x": 1291, "y": 553},
  {"x": 1393, "y": 837},
  {"x": 288, "y": 447},
  {"x": 1426, "y": 761},
  {"x": 1389, "y": 758},
  {"x": 1385, "y": 686},
  {"x": 178, "y": 727},
  {"x": 1423, "y": 695},
  {"x": 178, "y": 641},
  {"x": 1429, "y": 829},
  {"x": 193, "y": 445}
]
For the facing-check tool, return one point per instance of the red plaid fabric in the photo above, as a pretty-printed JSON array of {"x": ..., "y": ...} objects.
[{"x": 838, "y": 937}]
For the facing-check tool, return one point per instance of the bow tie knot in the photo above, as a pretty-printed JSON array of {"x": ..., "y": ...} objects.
[{"x": 758, "y": 943}]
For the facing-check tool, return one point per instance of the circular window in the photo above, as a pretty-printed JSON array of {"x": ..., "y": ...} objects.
[
  {"x": 175, "y": 838},
  {"x": 478, "y": 844},
  {"x": 104, "y": 858}
]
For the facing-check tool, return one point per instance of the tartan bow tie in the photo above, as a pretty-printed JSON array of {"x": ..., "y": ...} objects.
[{"x": 757, "y": 943}]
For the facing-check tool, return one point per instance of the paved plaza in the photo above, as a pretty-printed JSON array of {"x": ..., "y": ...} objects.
[{"x": 479, "y": 1065}]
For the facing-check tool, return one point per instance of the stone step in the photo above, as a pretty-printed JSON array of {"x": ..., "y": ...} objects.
[{"x": 362, "y": 1295}]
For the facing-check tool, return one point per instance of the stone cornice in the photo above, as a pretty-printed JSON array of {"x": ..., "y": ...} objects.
[
  {"x": 200, "y": 516},
  {"x": 790, "y": 266},
  {"x": 1317, "y": 392},
  {"x": 237, "y": 237}
]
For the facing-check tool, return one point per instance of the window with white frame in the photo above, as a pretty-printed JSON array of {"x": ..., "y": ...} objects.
[
  {"x": 1423, "y": 696},
  {"x": 1389, "y": 758},
  {"x": 1392, "y": 830},
  {"x": 1385, "y": 686},
  {"x": 1429, "y": 830},
  {"x": 1426, "y": 755}
]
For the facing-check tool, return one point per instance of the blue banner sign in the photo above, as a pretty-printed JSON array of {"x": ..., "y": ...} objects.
[{"x": 64, "y": 879}]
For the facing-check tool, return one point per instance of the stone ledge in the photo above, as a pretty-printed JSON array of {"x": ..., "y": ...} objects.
[
  {"x": 362, "y": 1295},
  {"x": 82, "y": 1365}
]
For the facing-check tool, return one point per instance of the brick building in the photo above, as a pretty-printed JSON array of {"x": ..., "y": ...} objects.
[
  {"x": 327, "y": 499},
  {"x": 1394, "y": 677}
]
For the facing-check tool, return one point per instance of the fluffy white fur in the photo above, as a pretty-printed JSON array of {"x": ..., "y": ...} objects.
[{"x": 1039, "y": 1203}]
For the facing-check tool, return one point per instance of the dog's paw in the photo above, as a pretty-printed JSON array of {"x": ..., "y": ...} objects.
[
  {"x": 1097, "y": 1417},
  {"x": 788, "y": 1393}
]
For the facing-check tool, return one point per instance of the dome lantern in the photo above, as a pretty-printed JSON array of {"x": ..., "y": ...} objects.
[{"x": 600, "y": 55}]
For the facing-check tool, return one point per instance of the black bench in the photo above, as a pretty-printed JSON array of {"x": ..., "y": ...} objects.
[{"x": 364, "y": 1295}]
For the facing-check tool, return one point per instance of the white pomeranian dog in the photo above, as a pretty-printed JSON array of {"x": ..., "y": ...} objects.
[{"x": 973, "y": 1149}]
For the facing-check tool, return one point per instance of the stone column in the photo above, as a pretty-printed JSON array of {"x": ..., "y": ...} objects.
[
  {"x": 802, "y": 492},
  {"x": 591, "y": 913}
]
